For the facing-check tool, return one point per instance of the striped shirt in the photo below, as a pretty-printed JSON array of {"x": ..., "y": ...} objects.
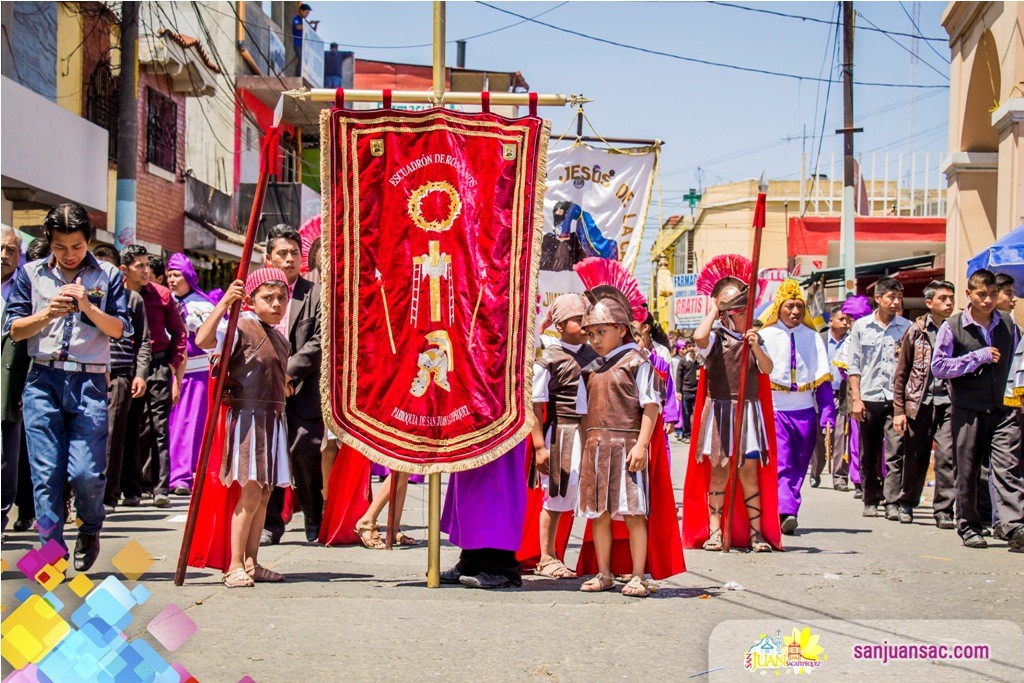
[{"x": 133, "y": 354}]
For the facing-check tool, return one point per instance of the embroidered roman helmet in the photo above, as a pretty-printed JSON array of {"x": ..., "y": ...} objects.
[
  {"x": 615, "y": 297},
  {"x": 789, "y": 290},
  {"x": 724, "y": 278}
]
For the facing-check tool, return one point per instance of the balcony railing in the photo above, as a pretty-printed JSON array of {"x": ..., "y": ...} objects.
[{"x": 906, "y": 184}]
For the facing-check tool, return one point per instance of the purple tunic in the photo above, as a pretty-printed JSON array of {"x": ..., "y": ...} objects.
[{"x": 485, "y": 507}]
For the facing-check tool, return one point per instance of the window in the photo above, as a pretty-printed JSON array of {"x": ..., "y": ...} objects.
[
  {"x": 161, "y": 130},
  {"x": 289, "y": 159},
  {"x": 101, "y": 104}
]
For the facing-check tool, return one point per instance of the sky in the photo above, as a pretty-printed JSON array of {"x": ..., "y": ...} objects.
[{"x": 719, "y": 124}]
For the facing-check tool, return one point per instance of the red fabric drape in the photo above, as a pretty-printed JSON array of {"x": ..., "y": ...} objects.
[
  {"x": 348, "y": 497},
  {"x": 211, "y": 543},
  {"x": 696, "y": 521}
]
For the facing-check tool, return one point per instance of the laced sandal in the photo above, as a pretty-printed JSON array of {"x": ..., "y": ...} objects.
[
  {"x": 596, "y": 584},
  {"x": 555, "y": 569},
  {"x": 261, "y": 574},
  {"x": 238, "y": 578},
  {"x": 757, "y": 542},
  {"x": 369, "y": 537},
  {"x": 636, "y": 588},
  {"x": 714, "y": 542},
  {"x": 402, "y": 539}
]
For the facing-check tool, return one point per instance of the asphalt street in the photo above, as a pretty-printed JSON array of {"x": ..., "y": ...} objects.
[{"x": 363, "y": 615}]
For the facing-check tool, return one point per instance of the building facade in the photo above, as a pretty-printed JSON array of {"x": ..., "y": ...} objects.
[{"x": 985, "y": 166}]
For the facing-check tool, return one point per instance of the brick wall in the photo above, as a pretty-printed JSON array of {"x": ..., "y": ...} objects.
[{"x": 161, "y": 202}]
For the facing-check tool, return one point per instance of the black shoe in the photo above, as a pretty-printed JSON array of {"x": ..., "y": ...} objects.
[
  {"x": 815, "y": 482},
  {"x": 267, "y": 538},
  {"x": 974, "y": 540},
  {"x": 870, "y": 511},
  {"x": 944, "y": 521},
  {"x": 485, "y": 580},
  {"x": 182, "y": 491},
  {"x": 789, "y": 524},
  {"x": 892, "y": 513},
  {"x": 312, "y": 532},
  {"x": 451, "y": 576},
  {"x": 858, "y": 492},
  {"x": 87, "y": 549},
  {"x": 132, "y": 502},
  {"x": 986, "y": 531},
  {"x": 1016, "y": 540},
  {"x": 24, "y": 524},
  {"x": 906, "y": 514},
  {"x": 841, "y": 486},
  {"x": 108, "y": 508}
]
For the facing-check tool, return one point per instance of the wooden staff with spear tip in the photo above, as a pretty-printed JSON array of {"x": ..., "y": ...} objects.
[
  {"x": 220, "y": 381},
  {"x": 736, "y": 456}
]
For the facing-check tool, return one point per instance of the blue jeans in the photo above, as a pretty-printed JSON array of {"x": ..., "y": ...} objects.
[
  {"x": 66, "y": 428},
  {"x": 332, "y": 82}
]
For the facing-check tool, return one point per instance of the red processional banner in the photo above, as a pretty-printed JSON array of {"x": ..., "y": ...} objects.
[{"x": 431, "y": 238}]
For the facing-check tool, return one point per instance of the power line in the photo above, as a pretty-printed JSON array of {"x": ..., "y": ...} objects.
[
  {"x": 815, "y": 20},
  {"x": 920, "y": 35},
  {"x": 659, "y": 53},
  {"x": 906, "y": 49}
]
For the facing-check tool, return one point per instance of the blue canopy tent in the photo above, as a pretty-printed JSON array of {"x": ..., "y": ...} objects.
[{"x": 1005, "y": 256}]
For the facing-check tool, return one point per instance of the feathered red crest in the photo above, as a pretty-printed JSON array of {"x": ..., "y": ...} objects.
[
  {"x": 723, "y": 265},
  {"x": 596, "y": 271},
  {"x": 308, "y": 233}
]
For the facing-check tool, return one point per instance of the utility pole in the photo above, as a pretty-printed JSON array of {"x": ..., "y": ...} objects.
[
  {"x": 847, "y": 249},
  {"x": 125, "y": 208}
]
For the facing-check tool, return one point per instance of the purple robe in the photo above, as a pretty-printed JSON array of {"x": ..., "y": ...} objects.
[
  {"x": 485, "y": 507},
  {"x": 188, "y": 417}
]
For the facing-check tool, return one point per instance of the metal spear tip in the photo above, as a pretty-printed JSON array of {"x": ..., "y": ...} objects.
[
  {"x": 762, "y": 184},
  {"x": 279, "y": 111}
]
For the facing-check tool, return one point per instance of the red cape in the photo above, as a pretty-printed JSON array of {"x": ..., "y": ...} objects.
[
  {"x": 529, "y": 547},
  {"x": 348, "y": 497},
  {"x": 696, "y": 523},
  {"x": 211, "y": 542},
  {"x": 664, "y": 548}
]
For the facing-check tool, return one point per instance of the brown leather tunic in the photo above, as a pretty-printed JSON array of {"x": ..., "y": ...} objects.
[
  {"x": 255, "y": 393},
  {"x": 613, "y": 420},
  {"x": 722, "y": 365},
  {"x": 561, "y": 420}
]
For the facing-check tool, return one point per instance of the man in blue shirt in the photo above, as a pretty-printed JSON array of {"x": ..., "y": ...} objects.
[
  {"x": 297, "y": 24},
  {"x": 68, "y": 307}
]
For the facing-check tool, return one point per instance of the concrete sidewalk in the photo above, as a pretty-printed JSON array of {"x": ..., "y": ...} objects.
[{"x": 364, "y": 615}]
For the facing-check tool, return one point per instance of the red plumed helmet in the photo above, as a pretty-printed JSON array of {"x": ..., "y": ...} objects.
[
  {"x": 600, "y": 273},
  {"x": 721, "y": 267}
]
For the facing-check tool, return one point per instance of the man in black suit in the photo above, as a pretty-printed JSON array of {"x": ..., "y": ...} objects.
[
  {"x": 305, "y": 422},
  {"x": 12, "y": 376}
]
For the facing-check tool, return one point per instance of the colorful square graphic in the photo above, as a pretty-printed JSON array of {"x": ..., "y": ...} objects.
[
  {"x": 172, "y": 627},
  {"x": 132, "y": 561},
  {"x": 31, "y": 632}
]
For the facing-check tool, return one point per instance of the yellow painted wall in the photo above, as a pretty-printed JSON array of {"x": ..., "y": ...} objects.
[{"x": 69, "y": 59}]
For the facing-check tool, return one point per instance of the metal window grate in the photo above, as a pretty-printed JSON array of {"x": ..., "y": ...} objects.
[
  {"x": 101, "y": 104},
  {"x": 161, "y": 130}
]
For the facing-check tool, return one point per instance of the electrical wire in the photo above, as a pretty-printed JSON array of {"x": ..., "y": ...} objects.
[
  {"x": 815, "y": 20},
  {"x": 695, "y": 60},
  {"x": 920, "y": 34},
  {"x": 906, "y": 49}
]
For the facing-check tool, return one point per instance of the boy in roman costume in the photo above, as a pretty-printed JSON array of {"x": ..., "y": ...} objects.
[
  {"x": 556, "y": 443},
  {"x": 753, "y": 513},
  {"x": 801, "y": 390}
]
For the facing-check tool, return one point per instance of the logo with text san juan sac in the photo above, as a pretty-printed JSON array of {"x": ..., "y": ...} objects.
[{"x": 798, "y": 652}]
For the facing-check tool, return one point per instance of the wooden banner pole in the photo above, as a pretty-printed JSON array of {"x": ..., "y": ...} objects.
[
  {"x": 266, "y": 155},
  {"x": 434, "y": 499}
]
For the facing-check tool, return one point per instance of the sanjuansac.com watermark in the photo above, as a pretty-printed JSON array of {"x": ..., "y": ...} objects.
[{"x": 886, "y": 652}]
